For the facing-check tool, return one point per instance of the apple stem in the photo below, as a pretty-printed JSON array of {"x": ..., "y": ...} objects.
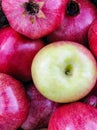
[
  {"x": 72, "y": 8},
  {"x": 68, "y": 70}
]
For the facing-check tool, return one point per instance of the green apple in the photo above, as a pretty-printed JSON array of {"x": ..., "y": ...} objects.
[{"x": 64, "y": 71}]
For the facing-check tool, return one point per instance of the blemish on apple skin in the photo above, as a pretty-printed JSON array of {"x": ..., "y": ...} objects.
[{"x": 32, "y": 20}]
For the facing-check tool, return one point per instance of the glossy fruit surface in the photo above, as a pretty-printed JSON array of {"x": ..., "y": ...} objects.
[
  {"x": 77, "y": 18},
  {"x": 40, "y": 111},
  {"x": 64, "y": 71},
  {"x": 92, "y": 38},
  {"x": 17, "y": 53},
  {"x": 75, "y": 116},
  {"x": 14, "y": 103}
]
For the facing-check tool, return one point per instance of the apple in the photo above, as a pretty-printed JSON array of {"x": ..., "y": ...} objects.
[
  {"x": 77, "y": 18},
  {"x": 91, "y": 98},
  {"x": 64, "y": 71},
  {"x": 34, "y": 18},
  {"x": 94, "y": 90},
  {"x": 14, "y": 103},
  {"x": 40, "y": 110},
  {"x": 92, "y": 38},
  {"x": 16, "y": 53},
  {"x": 74, "y": 116}
]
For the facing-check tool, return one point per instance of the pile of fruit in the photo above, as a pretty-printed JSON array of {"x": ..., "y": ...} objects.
[{"x": 48, "y": 64}]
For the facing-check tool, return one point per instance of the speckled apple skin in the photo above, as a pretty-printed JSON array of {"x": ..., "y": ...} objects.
[
  {"x": 14, "y": 103},
  {"x": 74, "y": 116}
]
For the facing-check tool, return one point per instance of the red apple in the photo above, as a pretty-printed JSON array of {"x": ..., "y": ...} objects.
[
  {"x": 17, "y": 53},
  {"x": 92, "y": 38},
  {"x": 40, "y": 111},
  {"x": 14, "y": 103},
  {"x": 74, "y": 116},
  {"x": 34, "y": 18},
  {"x": 77, "y": 18}
]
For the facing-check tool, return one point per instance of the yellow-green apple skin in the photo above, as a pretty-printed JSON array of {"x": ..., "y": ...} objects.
[{"x": 64, "y": 71}]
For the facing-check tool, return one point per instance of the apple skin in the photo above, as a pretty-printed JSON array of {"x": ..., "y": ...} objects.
[
  {"x": 74, "y": 116},
  {"x": 94, "y": 90},
  {"x": 64, "y": 71},
  {"x": 92, "y": 38},
  {"x": 91, "y": 98},
  {"x": 34, "y": 18},
  {"x": 40, "y": 111},
  {"x": 75, "y": 27},
  {"x": 14, "y": 103},
  {"x": 17, "y": 52}
]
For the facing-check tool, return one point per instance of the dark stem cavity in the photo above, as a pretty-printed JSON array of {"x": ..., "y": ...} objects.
[
  {"x": 72, "y": 8},
  {"x": 31, "y": 7},
  {"x": 68, "y": 70}
]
